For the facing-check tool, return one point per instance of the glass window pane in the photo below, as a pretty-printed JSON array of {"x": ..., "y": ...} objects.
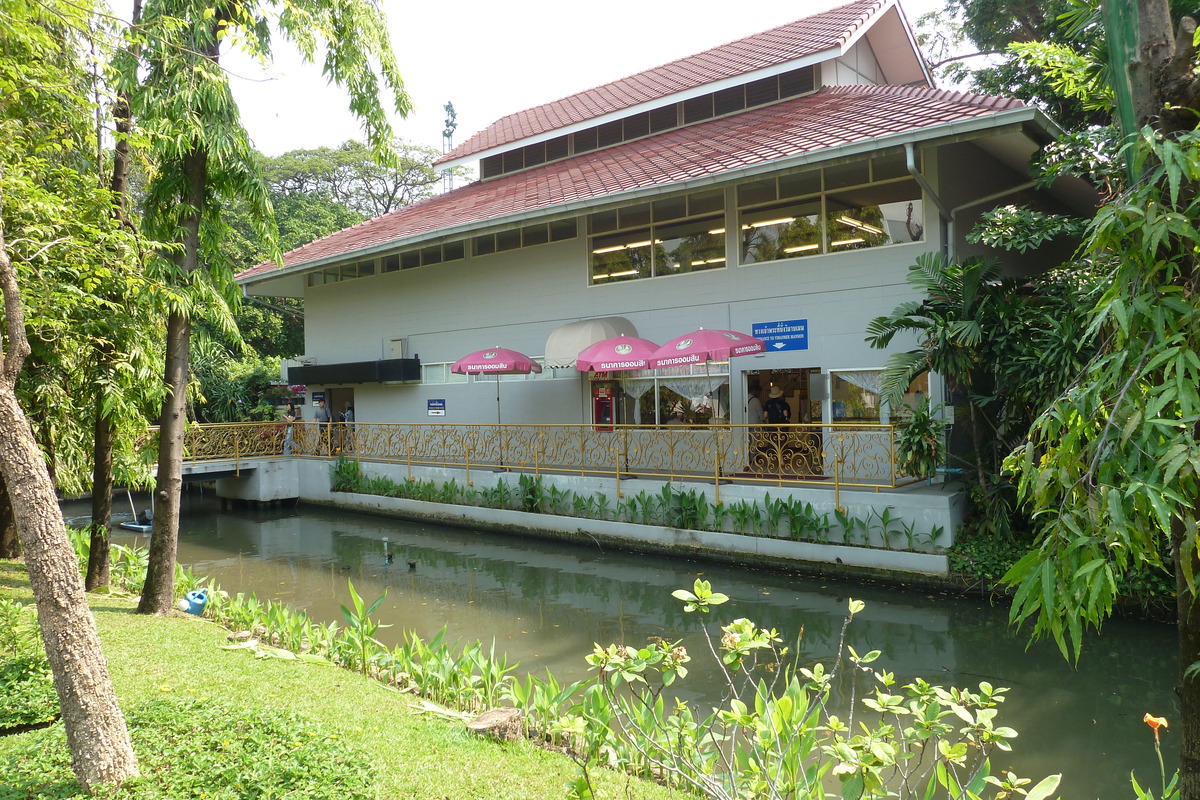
[
  {"x": 632, "y": 216},
  {"x": 366, "y": 268},
  {"x": 799, "y": 185},
  {"x": 885, "y": 167},
  {"x": 636, "y": 126},
  {"x": 558, "y": 148},
  {"x": 890, "y": 213},
  {"x": 697, "y": 108},
  {"x": 453, "y": 250},
  {"x": 602, "y": 222},
  {"x": 562, "y": 230},
  {"x": 690, "y": 246},
  {"x": 758, "y": 192},
  {"x": 410, "y": 259},
  {"x": 850, "y": 401},
  {"x": 665, "y": 118},
  {"x": 391, "y": 263},
  {"x": 534, "y": 235},
  {"x": 847, "y": 175},
  {"x": 729, "y": 100},
  {"x": 491, "y": 166},
  {"x": 535, "y": 154},
  {"x": 706, "y": 202},
  {"x": 584, "y": 141},
  {"x": 513, "y": 160},
  {"x": 484, "y": 245},
  {"x": 333, "y": 275},
  {"x": 508, "y": 240},
  {"x": 783, "y": 231},
  {"x": 431, "y": 255},
  {"x": 671, "y": 208},
  {"x": 765, "y": 90},
  {"x": 610, "y": 133},
  {"x": 623, "y": 257},
  {"x": 798, "y": 81}
]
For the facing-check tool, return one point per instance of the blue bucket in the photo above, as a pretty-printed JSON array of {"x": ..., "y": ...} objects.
[{"x": 196, "y": 601}]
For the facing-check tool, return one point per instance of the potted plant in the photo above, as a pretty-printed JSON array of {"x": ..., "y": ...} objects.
[{"x": 920, "y": 441}]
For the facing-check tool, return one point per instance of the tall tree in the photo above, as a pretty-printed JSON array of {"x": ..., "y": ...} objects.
[
  {"x": 204, "y": 160},
  {"x": 61, "y": 236},
  {"x": 1113, "y": 466},
  {"x": 351, "y": 176}
]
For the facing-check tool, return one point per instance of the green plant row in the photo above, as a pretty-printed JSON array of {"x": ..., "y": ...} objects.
[
  {"x": 771, "y": 735},
  {"x": 687, "y": 509}
]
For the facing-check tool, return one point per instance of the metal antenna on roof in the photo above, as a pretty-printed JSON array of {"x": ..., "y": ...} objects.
[{"x": 448, "y": 143}]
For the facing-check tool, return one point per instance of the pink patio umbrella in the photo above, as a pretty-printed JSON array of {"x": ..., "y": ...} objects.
[
  {"x": 615, "y": 354},
  {"x": 495, "y": 361},
  {"x": 704, "y": 345}
]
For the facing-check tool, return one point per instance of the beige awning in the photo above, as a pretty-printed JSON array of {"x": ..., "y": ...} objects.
[{"x": 567, "y": 340}]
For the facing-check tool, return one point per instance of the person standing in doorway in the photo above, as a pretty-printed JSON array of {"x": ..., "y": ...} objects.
[
  {"x": 777, "y": 409},
  {"x": 348, "y": 426},
  {"x": 778, "y": 413},
  {"x": 322, "y": 417},
  {"x": 754, "y": 419}
]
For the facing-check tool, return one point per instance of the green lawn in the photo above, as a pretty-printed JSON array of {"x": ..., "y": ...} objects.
[{"x": 415, "y": 755}]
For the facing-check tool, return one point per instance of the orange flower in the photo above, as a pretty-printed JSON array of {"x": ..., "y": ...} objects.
[{"x": 1155, "y": 723}]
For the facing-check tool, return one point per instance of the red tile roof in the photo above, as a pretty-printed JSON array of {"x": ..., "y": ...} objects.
[
  {"x": 832, "y": 117},
  {"x": 786, "y": 43}
]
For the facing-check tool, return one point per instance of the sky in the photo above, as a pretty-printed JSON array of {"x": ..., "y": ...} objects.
[{"x": 492, "y": 58}]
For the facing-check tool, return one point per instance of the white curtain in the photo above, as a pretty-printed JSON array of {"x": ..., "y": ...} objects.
[
  {"x": 635, "y": 388},
  {"x": 867, "y": 379},
  {"x": 695, "y": 387}
]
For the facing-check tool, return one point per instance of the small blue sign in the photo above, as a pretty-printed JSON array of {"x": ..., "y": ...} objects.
[
  {"x": 788, "y": 334},
  {"x": 437, "y": 408}
]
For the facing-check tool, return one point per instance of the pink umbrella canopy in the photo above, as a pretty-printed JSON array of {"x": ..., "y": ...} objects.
[
  {"x": 705, "y": 345},
  {"x": 495, "y": 360},
  {"x": 615, "y": 354}
]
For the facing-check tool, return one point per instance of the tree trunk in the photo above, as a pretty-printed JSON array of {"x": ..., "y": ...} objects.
[
  {"x": 102, "y": 448},
  {"x": 158, "y": 594},
  {"x": 10, "y": 543},
  {"x": 102, "y": 487},
  {"x": 101, "y": 751}
]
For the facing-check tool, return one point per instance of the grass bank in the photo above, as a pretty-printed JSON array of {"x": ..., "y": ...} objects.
[{"x": 414, "y": 756}]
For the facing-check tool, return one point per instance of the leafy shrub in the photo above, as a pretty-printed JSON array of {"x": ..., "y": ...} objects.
[
  {"x": 27, "y": 695},
  {"x": 347, "y": 475},
  {"x": 18, "y": 629},
  {"x": 205, "y": 748}
]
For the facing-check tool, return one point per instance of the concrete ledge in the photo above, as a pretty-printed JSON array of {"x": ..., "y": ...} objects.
[{"x": 710, "y": 545}]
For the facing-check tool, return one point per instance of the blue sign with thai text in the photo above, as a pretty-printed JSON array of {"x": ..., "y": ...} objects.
[
  {"x": 788, "y": 334},
  {"x": 436, "y": 408}
]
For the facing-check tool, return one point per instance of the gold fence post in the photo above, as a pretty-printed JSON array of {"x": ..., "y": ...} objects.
[
  {"x": 467, "y": 463},
  {"x": 717, "y": 473},
  {"x": 237, "y": 455},
  {"x": 617, "y": 471}
]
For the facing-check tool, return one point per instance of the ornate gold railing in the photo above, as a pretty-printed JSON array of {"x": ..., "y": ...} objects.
[{"x": 850, "y": 455}]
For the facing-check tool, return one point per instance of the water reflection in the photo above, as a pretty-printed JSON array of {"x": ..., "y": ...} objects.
[{"x": 545, "y": 604}]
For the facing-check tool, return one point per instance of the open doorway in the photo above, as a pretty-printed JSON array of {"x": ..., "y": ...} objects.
[
  {"x": 340, "y": 403},
  {"x": 798, "y": 387},
  {"x": 790, "y": 398}
]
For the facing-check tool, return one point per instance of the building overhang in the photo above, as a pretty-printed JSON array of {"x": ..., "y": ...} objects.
[
  {"x": 390, "y": 370},
  {"x": 1023, "y": 129}
]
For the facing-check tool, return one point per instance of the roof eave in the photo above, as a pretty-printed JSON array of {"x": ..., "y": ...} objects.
[
  {"x": 1006, "y": 119},
  {"x": 649, "y": 105}
]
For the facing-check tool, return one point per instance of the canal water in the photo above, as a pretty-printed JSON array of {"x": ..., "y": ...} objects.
[{"x": 545, "y": 604}]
